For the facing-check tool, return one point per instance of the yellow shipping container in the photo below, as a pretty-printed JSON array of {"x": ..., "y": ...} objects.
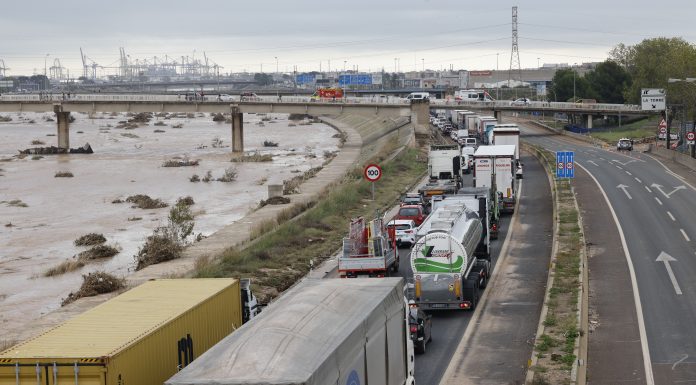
[{"x": 141, "y": 337}]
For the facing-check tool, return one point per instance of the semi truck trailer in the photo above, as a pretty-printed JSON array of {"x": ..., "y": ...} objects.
[
  {"x": 321, "y": 331},
  {"x": 449, "y": 260}
]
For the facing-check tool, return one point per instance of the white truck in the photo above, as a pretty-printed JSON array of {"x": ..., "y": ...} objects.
[
  {"x": 444, "y": 163},
  {"x": 369, "y": 250},
  {"x": 495, "y": 167},
  {"x": 508, "y": 133},
  {"x": 322, "y": 331},
  {"x": 472, "y": 96},
  {"x": 484, "y": 128},
  {"x": 449, "y": 265}
]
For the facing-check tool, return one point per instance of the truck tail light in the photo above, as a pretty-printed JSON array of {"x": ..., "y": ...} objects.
[
  {"x": 494, "y": 227},
  {"x": 464, "y": 305},
  {"x": 414, "y": 329},
  {"x": 458, "y": 288},
  {"x": 418, "y": 288}
]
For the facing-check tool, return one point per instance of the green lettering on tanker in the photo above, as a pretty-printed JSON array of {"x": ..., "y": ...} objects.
[{"x": 424, "y": 265}]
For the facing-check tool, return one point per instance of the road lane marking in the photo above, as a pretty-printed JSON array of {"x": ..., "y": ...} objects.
[
  {"x": 680, "y": 361},
  {"x": 666, "y": 258},
  {"x": 624, "y": 163},
  {"x": 647, "y": 364},
  {"x": 685, "y": 236},
  {"x": 638, "y": 180},
  {"x": 593, "y": 162},
  {"x": 679, "y": 177},
  {"x": 601, "y": 158},
  {"x": 671, "y": 216},
  {"x": 619, "y": 167},
  {"x": 648, "y": 188},
  {"x": 629, "y": 173},
  {"x": 659, "y": 187},
  {"x": 624, "y": 187},
  {"x": 658, "y": 201}
]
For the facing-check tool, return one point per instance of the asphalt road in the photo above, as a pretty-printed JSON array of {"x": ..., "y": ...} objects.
[
  {"x": 655, "y": 209},
  {"x": 448, "y": 326}
]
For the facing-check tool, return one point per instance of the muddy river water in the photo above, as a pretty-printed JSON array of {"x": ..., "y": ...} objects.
[{"x": 41, "y": 215}]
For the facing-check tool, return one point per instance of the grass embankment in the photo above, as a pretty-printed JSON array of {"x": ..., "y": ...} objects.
[
  {"x": 556, "y": 346},
  {"x": 277, "y": 259},
  {"x": 640, "y": 129}
]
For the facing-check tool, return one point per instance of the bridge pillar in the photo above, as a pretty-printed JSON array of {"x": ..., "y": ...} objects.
[
  {"x": 63, "y": 121},
  {"x": 420, "y": 116},
  {"x": 589, "y": 121},
  {"x": 498, "y": 115},
  {"x": 237, "y": 130}
]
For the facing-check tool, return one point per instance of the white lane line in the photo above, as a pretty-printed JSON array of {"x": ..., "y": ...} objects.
[
  {"x": 638, "y": 180},
  {"x": 658, "y": 201},
  {"x": 671, "y": 216},
  {"x": 601, "y": 158},
  {"x": 619, "y": 167},
  {"x": 629, "y": 173},
  {"x": 680, "y": 361},
  {"x": 648, "y": 188},
  {"x": 647, "y": 364},
  {"x": 679, "y": 177},
  {"x": 685, "y": 236}
]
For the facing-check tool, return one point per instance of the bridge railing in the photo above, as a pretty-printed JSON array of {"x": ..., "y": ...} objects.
[
  {"x": 212, "y": 98},
  {"x": 535, "y": 105}
]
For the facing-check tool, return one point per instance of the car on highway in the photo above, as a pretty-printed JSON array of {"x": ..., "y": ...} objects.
[
  {"x": 413, "y": 212},
  {"x": 624, "y": 144},
  {"x": 520, "y": 102},
  {"x": 412, "y": 199},
  {"x": 249, "y": 97},
  {"x": 421, "y": 326},
  {"x": 405, "y": 231}
]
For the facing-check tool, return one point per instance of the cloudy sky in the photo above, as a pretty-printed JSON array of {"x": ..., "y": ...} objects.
[{"x": 249, "y": 35}]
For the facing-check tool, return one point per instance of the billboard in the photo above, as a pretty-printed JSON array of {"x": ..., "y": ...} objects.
[
  {"x": 355, "y": 79},
  {"x": 305, "y": 79}
]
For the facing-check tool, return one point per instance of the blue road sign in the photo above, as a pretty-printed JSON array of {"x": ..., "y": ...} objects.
[
  {"x": 560, "y": 164},
  {"x": 305, "y": 78},
  {"x": 356, "y": 79},
  {"x": 565, "y": 164}
]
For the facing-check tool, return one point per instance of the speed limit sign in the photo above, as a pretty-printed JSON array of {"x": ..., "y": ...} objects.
[
  {"x": 690, "y": 136},
  {"x": 373, "y": 172}
]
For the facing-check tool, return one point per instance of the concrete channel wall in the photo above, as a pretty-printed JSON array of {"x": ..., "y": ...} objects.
[{"x": 677, "y": 157}]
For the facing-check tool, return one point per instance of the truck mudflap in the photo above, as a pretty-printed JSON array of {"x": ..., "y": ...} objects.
[{"x": 508, "y": 205}]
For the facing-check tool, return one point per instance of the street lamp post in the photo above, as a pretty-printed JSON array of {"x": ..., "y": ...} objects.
[
  {"x": 497, "y": 85},
  {"x": 688, "y": 81},
  {"x": 423, "y": 61},
  {"x": 276, "y": 57},
  {"x": 574, "y": 64}
]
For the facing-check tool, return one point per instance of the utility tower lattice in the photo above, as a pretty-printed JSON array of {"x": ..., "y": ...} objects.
[{"x": 515, "y": 55}]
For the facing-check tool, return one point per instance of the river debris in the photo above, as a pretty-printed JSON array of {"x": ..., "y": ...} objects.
[
  {"x": 53, "y": 150},
  {"x": 90, "y": 239},
  {"x": 95, "y": 283},
  {"x": 143, "y": 201}
]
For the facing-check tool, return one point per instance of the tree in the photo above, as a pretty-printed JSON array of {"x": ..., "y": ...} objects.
[
  {"x": 609, "y": 81},
  {"x": 652, "y": 62},
  {"x": 263, "y": 79},
  {"x": 562, "y": 85}
]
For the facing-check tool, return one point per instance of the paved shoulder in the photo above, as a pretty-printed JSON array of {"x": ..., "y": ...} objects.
[{"x": 501, "y": 341}]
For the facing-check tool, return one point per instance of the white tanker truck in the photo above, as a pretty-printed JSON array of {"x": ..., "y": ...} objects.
[{"x": 450, "y": 261}]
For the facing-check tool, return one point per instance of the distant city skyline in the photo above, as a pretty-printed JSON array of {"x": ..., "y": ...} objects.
[{"x": 313, "y": 35}]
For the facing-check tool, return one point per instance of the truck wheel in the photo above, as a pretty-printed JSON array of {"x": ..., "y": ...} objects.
[
  {"x": 395, "y": 266},
  {"x": 484, "y": 267},
  {"x": 473, "y": 283},
  {"x": 421, "y": 347}
]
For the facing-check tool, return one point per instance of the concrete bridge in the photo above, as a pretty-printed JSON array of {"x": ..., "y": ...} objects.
[
  {"x": 62, "y": 105},
  {"x": 388, "y": 107}
]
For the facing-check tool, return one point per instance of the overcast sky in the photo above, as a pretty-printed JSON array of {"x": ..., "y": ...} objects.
[{"x": 248, "y": 35}]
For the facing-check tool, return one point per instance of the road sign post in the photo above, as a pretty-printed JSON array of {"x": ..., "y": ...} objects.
[
  {"x": 372, "y": 173},
  {"x": 565, "y": 164}
]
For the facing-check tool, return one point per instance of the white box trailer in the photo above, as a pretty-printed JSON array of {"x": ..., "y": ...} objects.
[
  {"x": 322, "y": 331},
  {"x": 484, "y": 128},
  {"x": 508, "y": 133},
  {"x": 495, "y": 167},
  {"x": 471, "y": 123},
  {"x": 444, "y": 162}
]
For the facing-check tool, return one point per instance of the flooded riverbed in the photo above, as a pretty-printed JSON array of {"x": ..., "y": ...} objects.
[{"x": 41, "y": 215}]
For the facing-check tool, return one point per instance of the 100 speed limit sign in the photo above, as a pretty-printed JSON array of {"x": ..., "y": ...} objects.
[{"x": 373, "y": 172}]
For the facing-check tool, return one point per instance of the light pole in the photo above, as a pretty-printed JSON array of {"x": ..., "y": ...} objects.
[
  {"x": 497, "y": 85},
  {"x": 688, "y": 81},
  {"x": 344, "y": 65},
  {"x": 45, "y": 58},
  {"x": 538, "y": 66},
  {"x": 574, "y": 64},
  {"x": 423, "y": 61},
  {"x": 395, "y": 65},
  {"x": 276, "y": 57}
]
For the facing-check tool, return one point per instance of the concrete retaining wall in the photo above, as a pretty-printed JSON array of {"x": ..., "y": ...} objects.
[{"x": 678, "y": 157}]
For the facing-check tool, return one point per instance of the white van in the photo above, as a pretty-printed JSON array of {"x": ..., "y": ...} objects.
[{"x": 418, "y": 96}]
